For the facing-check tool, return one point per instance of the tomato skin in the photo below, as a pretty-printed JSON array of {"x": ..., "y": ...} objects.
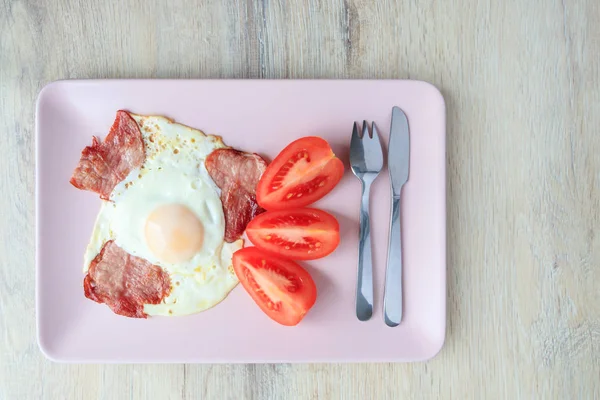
[
  {"x": 297, "y": 234},
  {"x": 287, "y": 292},
  {"x": 304, "y": 171}
]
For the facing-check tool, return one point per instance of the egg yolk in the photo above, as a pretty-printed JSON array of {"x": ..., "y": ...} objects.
[{"x": 173, "y": 233}]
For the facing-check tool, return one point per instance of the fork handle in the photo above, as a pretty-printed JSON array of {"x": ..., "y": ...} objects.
[
  {"x": 364, "y": 287},
  {"x": 392, "y": 301}
]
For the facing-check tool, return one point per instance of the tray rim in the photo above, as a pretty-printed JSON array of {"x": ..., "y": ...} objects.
[{"x": 48, "y": 354}]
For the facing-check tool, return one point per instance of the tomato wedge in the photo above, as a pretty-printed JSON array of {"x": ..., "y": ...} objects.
[
  {"x": 281, "y": 288},
  {"x": 305, "y": 171},
  {"x": 298, "y": 234}
]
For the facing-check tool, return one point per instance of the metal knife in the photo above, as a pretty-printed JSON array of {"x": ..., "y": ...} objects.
[{"x": 398, "y": 165}]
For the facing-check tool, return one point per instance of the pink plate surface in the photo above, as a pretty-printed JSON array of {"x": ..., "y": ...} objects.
[{"x": 263, "y": 117}]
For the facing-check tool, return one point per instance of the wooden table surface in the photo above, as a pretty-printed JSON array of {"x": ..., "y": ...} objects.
[{"x": 521, "y": 81}]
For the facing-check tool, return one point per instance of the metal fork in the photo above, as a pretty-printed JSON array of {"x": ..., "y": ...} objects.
[{"x": 366, "y": 160}]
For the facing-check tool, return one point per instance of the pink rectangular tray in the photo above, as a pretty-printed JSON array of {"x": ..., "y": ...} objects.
[{"x": 263, "y": 117}]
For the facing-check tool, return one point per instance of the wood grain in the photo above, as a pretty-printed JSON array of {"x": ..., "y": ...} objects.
[{"x": 522, "y": 85}]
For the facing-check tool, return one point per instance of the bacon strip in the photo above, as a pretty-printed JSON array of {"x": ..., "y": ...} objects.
[
  {"x": 104, "y": 164},
  {"x": 236, "y": 173},
  {"x": 125, "y": 282}
]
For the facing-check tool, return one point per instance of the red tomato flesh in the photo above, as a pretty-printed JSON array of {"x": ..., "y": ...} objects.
[
  {"x": 305, "y": 171},
  {"x": 282, "y": 289},
  {"x": 298, "y": 234}
]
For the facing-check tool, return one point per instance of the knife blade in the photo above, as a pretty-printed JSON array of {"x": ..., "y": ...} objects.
[
  {"x": 398, "y": 150},
  {"x": 398, "y": 165}
]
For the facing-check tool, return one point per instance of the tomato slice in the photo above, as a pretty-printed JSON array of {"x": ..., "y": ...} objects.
[
  {"x": 305, "y": 171},
  {"x": 299, "y": 234},
  {"x": 281, "y": 288}
]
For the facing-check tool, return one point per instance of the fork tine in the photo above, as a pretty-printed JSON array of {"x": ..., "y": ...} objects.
[
  {"x": 375, "y": 132},
  {"x": 355, "y": 141},
  {"x": 365, "y": 130},
  {"x": 355, "y": 131},
  {"x": 356, "y": 146}
]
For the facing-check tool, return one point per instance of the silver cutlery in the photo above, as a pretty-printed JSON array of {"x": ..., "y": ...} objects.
[
  {"x": 398, "y": 165},
  {"x": 366, "y": 160}
]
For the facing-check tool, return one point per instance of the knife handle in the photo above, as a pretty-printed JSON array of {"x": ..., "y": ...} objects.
[
  {"x": 364, "y": 287},
  {"x": 392, "y": 301}
]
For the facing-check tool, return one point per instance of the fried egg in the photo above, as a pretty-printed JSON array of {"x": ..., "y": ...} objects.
[{"x": 169, "y": 212}]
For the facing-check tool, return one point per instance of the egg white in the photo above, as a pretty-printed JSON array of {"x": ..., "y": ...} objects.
[{"x": 173, "y": 173}]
